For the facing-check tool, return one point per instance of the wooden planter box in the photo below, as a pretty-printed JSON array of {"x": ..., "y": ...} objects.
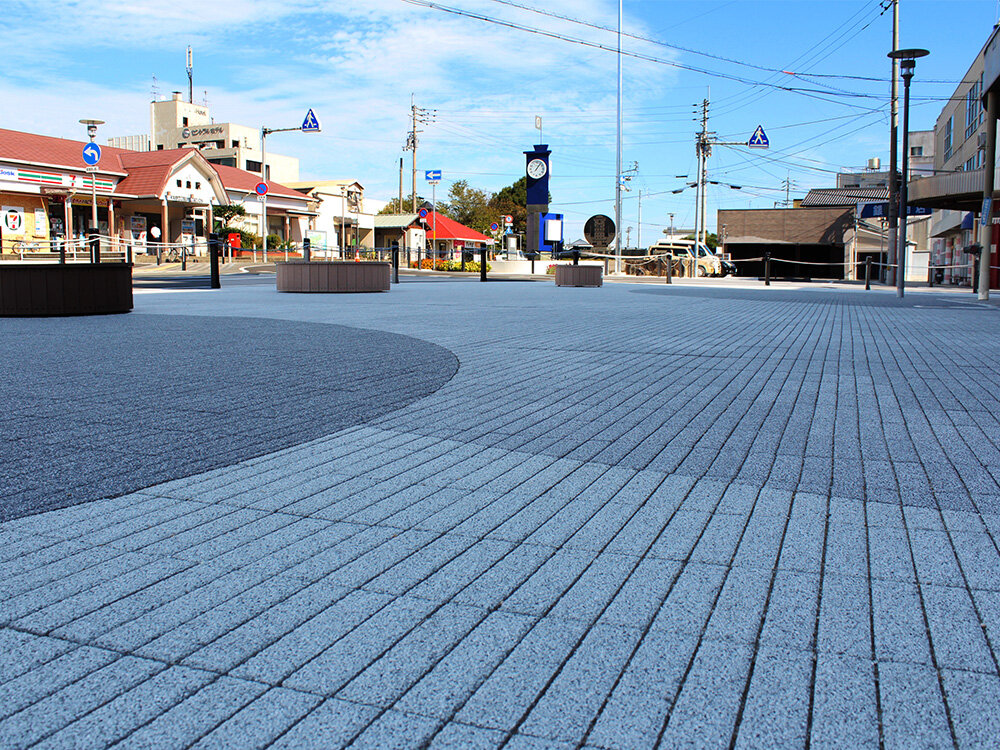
[
  {"x": 65, "y": 289},
  {"x": 579, "y": 276},
  {"x": 332, "y": 276}
]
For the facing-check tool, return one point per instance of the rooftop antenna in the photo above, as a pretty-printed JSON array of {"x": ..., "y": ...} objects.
[
  {"x": 190, "y": 68},
  {"x": 155, "y": 90},
  {"x": 204, "y": 100}
]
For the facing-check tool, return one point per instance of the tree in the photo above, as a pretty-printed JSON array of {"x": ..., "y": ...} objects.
[
  {"x": 711, "y": 240},
  {"x": 392, "y": 207},
  {"x": 468, "y": 206}
]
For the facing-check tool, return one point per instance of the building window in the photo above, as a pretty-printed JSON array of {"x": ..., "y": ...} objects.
[
  {"x": 188, "y": 185},
  {"x": 159, "y": 146},
  {"x": 184, "y": 121},
  {"x": 947, "y": 137},
  {"x": 253, "y": 166},
  {"x": 179, "y": 184},
  {"x": 197, "y": 186},
  {"x": 974, "y": 107},
  {"x": 916, "y": 150},
  {"x": 236, "y": 144}
]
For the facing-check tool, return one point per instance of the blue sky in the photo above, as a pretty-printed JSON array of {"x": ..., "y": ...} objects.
[{"x": 357, "y": 64}]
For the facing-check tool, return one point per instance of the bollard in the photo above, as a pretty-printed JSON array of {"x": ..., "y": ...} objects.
[
  {"x": 576, "y": 258},
  {"x": 213, "y": 258},
  {"x": 463, "y": 259},
  {"x": 670, "y": 268},
  {"x": 930, "y": 276},
  {"x": 62, "y": 251},
  {"x": 975, "y": 273},
  {"x": 767, "y": 269},
  {"x": 95, "y": 244},
  {"x": 868, "y": 273},
  {"x": 482, "y": 264},
  {"x": 395, "y": 265},
  {"x": 306, "y": 249}
]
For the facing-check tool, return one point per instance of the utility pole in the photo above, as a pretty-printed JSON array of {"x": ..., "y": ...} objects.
[
  {"x": 418, "y": 115},
  {"x": 399, "y": 206},
  {"x": 702, "y": 149},
  {"x": 638, "y": 223},
  {"x": 618, "y": 155},
  {"x": 890, "y": 271}
]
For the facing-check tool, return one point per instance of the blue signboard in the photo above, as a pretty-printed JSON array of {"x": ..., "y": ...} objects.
[
  {"x": 432, "y": 174},
  {"x": 881, "y": 210},
  {"x": 92, "y": 154},
  {"x": 311, "y": 123}
]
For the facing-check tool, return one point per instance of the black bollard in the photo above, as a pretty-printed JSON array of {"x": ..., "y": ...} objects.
[
  {"x": 214, "y": 243},
  {"x": 576, "y": 258},
  {"x": 868, "y": 273},
  {"x": 94, "y": 240},
  {"x": 767, "y": 269},
  {"x": 482, "y": 264},
  {"x": 670, "y": 268},
  {"x": 395, "y": 265},
  {"x": 306, "y": 249}
]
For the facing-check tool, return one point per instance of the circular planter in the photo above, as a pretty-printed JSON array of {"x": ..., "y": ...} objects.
[
  {"x": 336, "y": 276},
  {"x": 65, "y": 289}
]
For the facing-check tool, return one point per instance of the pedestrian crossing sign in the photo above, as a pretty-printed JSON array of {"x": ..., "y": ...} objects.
[
  {"x": 311, "y": 123},
  {"x": 759, "y": 138}
]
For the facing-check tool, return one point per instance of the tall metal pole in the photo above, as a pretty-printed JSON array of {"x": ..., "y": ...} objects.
[
  {"x": 907, "y": 66},
  {"x": 413, "y": 155},
  {"x": 986, "y": 232},
  {"x": 907, "y": 63},
  {"x": 703, "y": 236},
  {"x": 263, "y": 178},
  {"x": 638, "y": 223},
  {"x": 399, "y": 205},
  {"x": 893, "y": 157},
  {"x": 618, "y": 155}
]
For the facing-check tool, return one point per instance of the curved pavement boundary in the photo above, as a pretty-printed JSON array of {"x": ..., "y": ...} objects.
[{"x": 100, "y": 406}]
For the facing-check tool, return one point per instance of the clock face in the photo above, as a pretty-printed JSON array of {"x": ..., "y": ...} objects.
[{"x": 536, "y": 169}]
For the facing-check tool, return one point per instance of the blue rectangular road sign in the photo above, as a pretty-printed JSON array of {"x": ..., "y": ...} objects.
[
  {"x": 432, "y": 174},
  {"x": 881, "y": 210}
]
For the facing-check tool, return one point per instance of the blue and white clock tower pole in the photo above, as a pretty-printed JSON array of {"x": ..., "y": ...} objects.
[{"x": 537, "y": 173}]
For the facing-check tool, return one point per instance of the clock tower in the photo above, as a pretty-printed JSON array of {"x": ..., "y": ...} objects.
[{"x": 537, "y": 173}]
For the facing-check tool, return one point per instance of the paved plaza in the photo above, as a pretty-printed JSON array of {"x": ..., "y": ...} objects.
[{"x": 464, "y": 515}]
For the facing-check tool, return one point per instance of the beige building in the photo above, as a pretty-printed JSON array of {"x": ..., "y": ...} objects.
[{"x": 176, "y": 123}]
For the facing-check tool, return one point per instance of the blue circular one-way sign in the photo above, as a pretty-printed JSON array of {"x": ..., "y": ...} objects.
[{"x": 92, "y": 154}]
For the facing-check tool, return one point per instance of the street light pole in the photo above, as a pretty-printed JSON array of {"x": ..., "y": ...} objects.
[{"x": 908, "y": 62}]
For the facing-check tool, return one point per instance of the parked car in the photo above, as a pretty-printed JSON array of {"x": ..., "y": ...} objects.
[{"x": 708, "y": 263}]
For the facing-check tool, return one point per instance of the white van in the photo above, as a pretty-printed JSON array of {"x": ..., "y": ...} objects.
[{"x": 709, "y": 264}]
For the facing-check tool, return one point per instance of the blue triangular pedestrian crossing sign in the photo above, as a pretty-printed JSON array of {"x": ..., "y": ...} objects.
[
  {"x": 311, "y": 123},
  {"x": 759, "y": 138}
]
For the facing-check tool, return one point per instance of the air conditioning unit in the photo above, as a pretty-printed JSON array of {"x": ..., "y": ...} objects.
[{"x": 981, "y": 140}]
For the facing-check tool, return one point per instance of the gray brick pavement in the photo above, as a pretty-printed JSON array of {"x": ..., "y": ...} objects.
[{"x": 617, "y": 526}]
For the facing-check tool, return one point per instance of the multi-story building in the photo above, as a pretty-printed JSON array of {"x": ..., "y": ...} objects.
[
  {"x": 345, "y": 218},
  {"x": 955, "y": 189},
  {"x": 175, "y": 123}
]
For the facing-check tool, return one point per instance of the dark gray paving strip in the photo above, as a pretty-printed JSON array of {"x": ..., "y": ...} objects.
[{"x": 111, "y": 384}]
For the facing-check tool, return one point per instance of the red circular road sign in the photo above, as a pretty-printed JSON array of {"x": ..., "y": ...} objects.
[
  {"x": 260, "y": 188},
  {"x": 423, "y": 213}
]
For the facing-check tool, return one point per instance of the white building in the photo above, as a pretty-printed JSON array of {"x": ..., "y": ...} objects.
[
  {"x": 176, "y": 123},
  {"x": 344, "y": 218}
]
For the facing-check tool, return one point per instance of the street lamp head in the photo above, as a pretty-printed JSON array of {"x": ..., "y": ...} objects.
[
  {"x": 91, "y": 127},
  {"x": 908, "y": 54}
]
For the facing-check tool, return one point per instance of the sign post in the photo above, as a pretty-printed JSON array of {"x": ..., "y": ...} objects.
[
  {"x": 310, "y": 124},
  {"x": 433, "y": 176}
]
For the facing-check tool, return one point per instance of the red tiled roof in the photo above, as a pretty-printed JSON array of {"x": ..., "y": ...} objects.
[
  {"x": 147, "y": 171},
  {"x": 440, "y": 227},
  {"x": 238, "y": 179},
  {"x": 44, "y": 149}
]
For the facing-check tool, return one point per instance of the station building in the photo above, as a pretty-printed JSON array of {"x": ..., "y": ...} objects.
[{"x": 47, "y": 195}]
